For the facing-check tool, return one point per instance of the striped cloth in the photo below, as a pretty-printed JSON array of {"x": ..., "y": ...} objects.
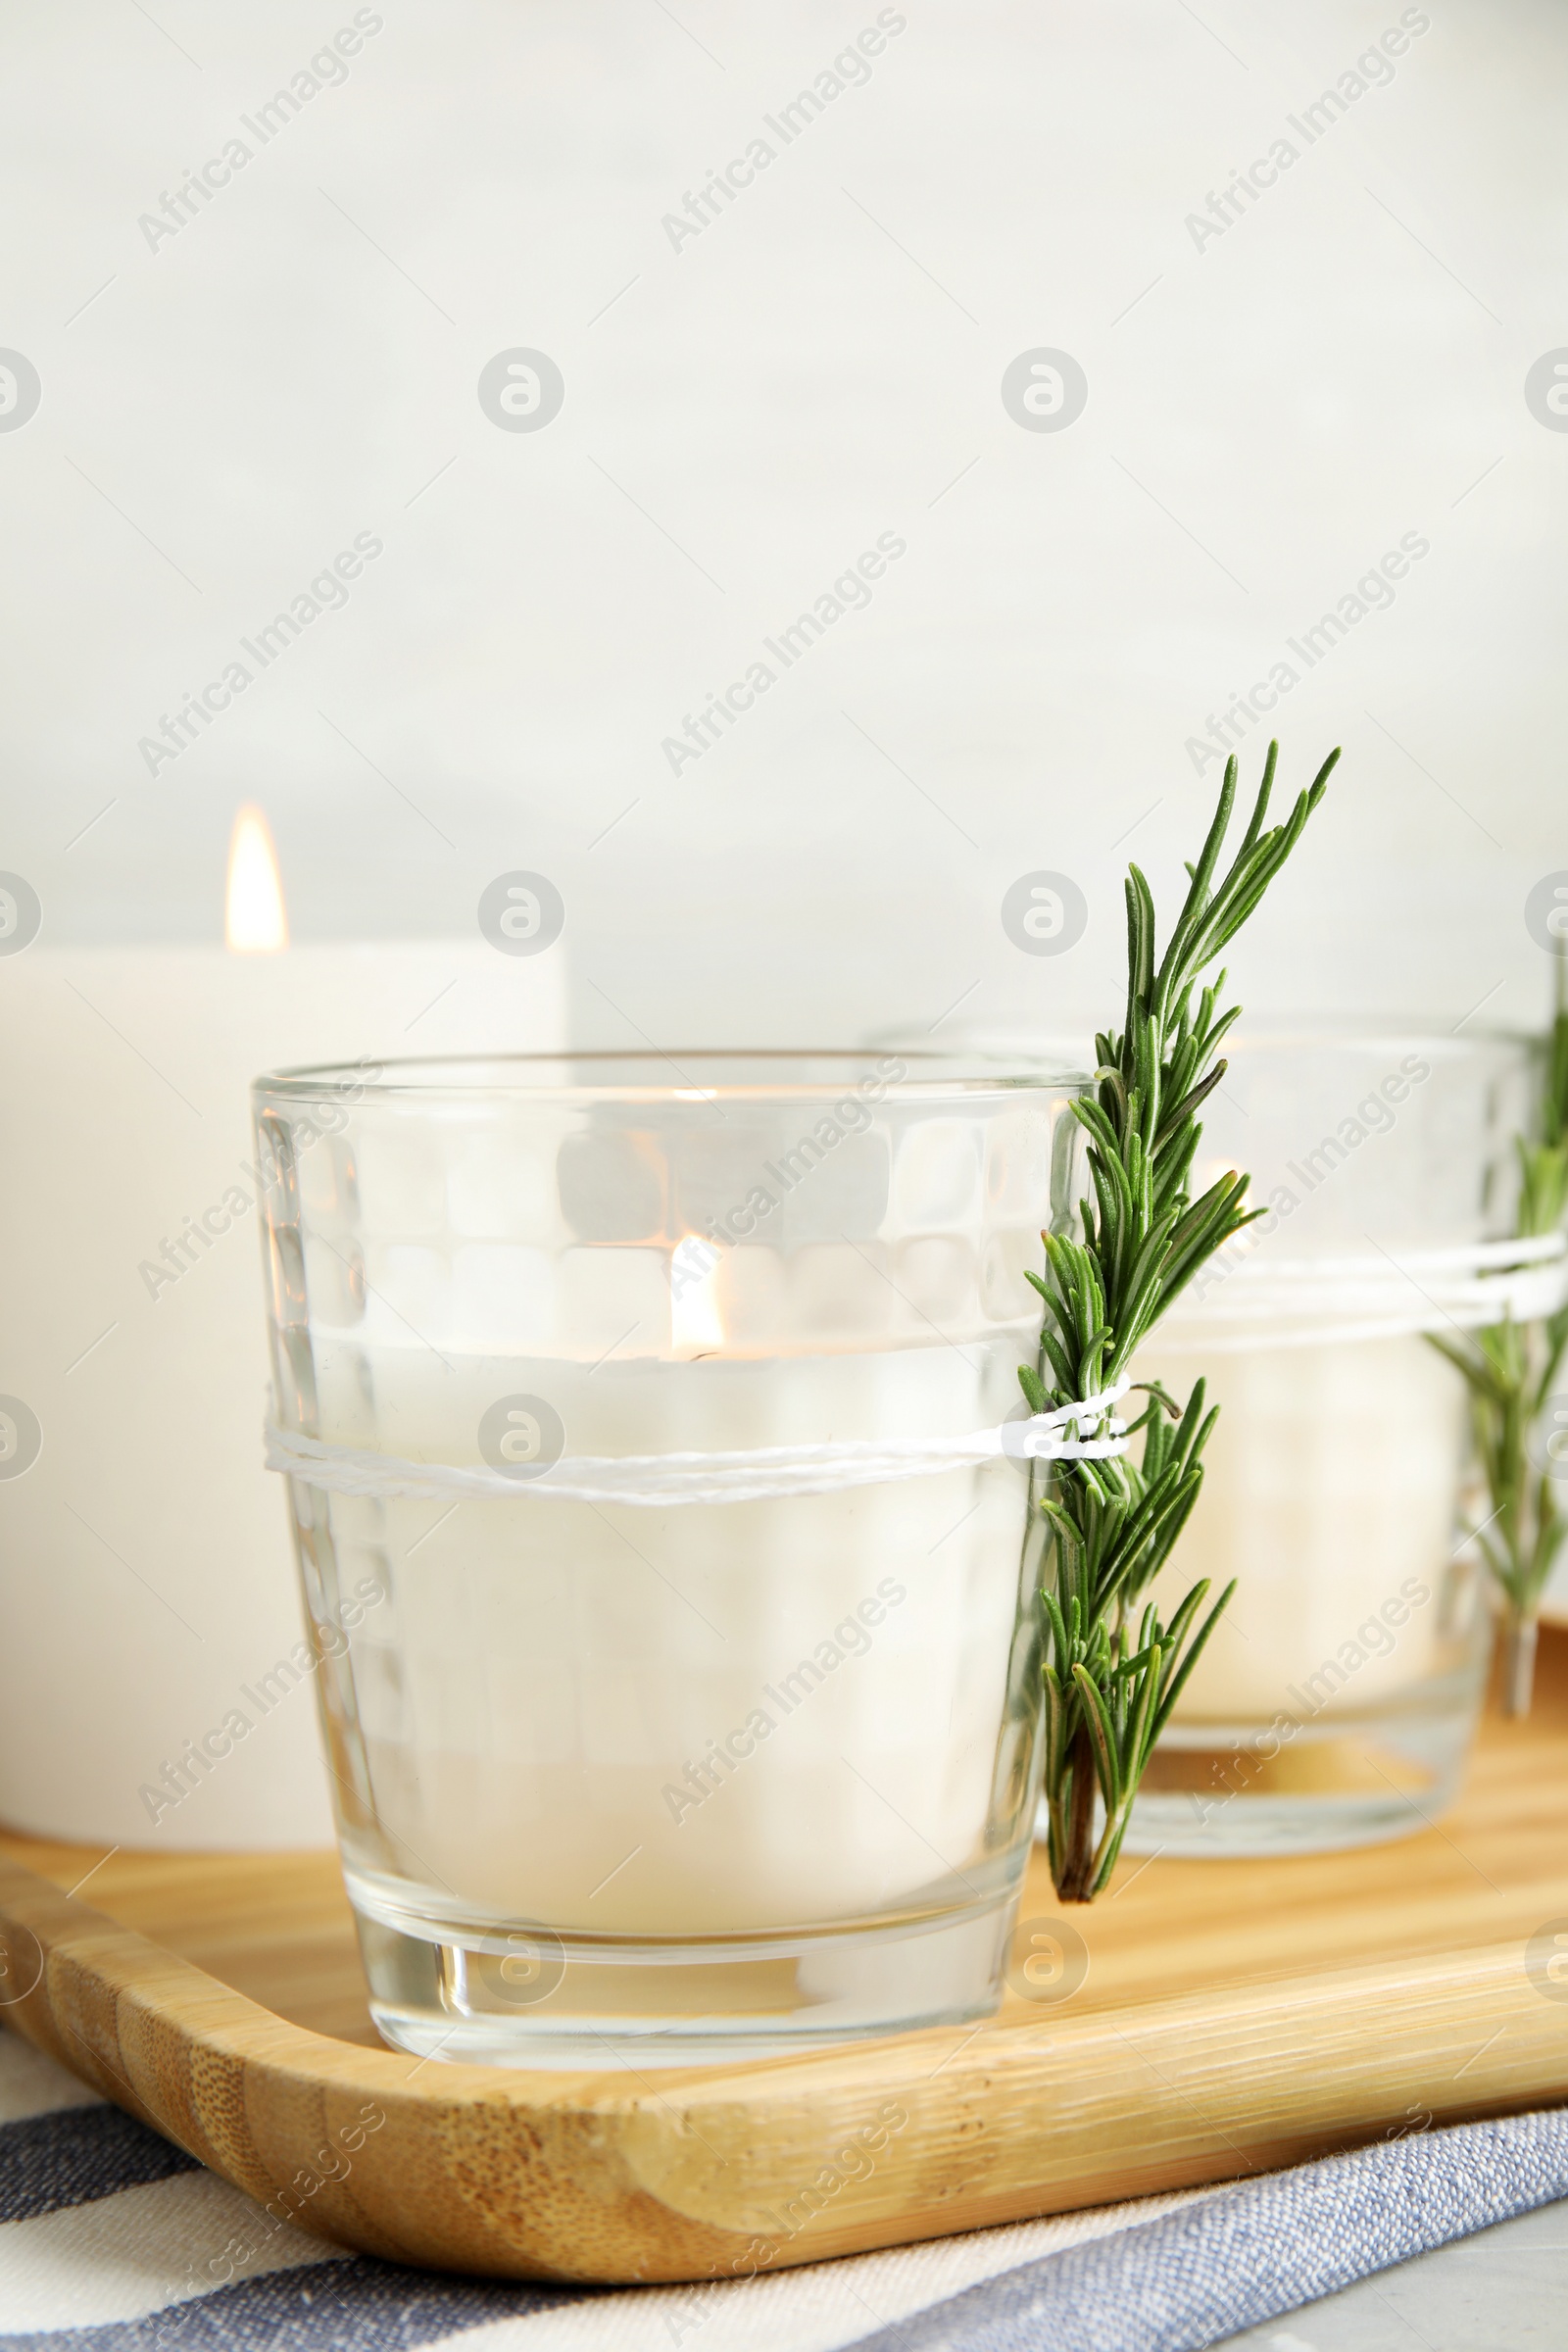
[{"x": 113, "y": 2241}]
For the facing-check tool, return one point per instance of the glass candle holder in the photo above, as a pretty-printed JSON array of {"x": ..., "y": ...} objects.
[
  {"x": 711, "y": 1777},
  {"x": 1337, "y": 1696}
]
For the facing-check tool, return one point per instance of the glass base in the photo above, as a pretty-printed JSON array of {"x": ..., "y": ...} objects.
[
  {"x": 1196, "y": 1810},
  {"x": 1363, "y": 1779},
  {"x": 526, "y": 1996}
]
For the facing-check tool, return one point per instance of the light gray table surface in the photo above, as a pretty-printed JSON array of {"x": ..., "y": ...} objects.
[{"x": 1502, "y": 2289}]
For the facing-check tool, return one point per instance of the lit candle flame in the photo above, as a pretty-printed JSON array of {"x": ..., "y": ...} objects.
[
  {"x": 695, "y": 1326},
  {"x": 254, "y": 923}
]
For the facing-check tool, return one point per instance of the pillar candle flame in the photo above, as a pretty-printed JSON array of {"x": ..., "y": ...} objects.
[{"x": 255, "y": 923}]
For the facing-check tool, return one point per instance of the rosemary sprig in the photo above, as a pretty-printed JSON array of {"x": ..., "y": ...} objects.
[
  {"x": 1109, "y": 1689},
  {"x": 1509, "y": 1369}
]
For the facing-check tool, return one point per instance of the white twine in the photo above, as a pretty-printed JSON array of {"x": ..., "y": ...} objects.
[
  {"x": 761, "y": 1474},
  {"x": 1328, "y": 1301}
]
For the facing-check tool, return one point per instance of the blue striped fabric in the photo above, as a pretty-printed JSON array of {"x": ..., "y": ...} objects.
[
  {"x": 1266, "y": 2247},
  {"x": 357, "y": 2306},
  {"x": 110, "y": 2238},
  {"x": 71, "y": 2157}
]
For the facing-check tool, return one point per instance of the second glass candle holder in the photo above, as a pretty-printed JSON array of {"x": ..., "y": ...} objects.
[{"x": 1336, "y": 1702}]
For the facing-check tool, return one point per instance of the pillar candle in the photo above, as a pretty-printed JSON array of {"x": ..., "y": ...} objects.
[{"x": 147, "y": 1593}]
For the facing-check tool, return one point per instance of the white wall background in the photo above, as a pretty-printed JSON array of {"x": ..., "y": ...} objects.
[{"x": 1265, "y": 418}]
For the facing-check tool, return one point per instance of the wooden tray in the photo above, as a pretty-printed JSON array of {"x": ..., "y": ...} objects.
[{"x": 1236, "y": 2016}]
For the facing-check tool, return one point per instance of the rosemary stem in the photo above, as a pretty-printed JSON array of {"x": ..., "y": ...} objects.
[
  {"x": 1076, "y": 1885},
  {"x": 1139, "y": 1237},
  {"x": 1518, "y": 1662}
]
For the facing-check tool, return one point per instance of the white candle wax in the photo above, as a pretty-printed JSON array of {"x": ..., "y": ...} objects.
[
  {"x": 823, "y": 1735},
  {"x": 145, "y": 1577},
  {"x": 1330, "y": 1493}
]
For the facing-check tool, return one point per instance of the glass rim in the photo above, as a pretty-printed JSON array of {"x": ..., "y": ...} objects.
[
  {"x": 1307, "y": 1032},
  {"x": 1378, "y": 1036},
  {"x": 650, "y": 1075},
  {"x": 1377, "y": 1030}
]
